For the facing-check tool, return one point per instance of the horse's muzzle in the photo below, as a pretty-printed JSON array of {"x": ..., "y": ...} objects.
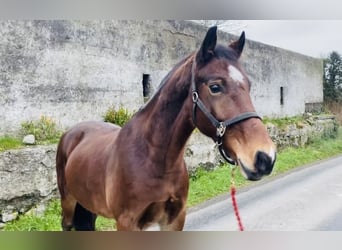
[{"x": 263, "y": 165}]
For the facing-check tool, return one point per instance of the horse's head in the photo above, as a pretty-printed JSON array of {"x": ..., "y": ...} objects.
[{"x": 223, "y": 109}]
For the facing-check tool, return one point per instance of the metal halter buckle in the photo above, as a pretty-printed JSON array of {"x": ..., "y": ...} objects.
[
  {"x": 220, "y": 130},
  {"x": 194, "y": 96}
]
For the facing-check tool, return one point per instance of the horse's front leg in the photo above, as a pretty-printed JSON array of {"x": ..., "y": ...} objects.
[
  {"x": 176, "y": 225},
  {"x": 174, "y": 217},
  {"x": 127, "y": 222}
]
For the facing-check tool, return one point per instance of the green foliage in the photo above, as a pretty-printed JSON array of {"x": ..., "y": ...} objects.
[
  {"x": 7, "y": 142},
  {"x": 198, "y": 173},
  {"x": 283, "y": 122},
  {"x": 332, "y": 78},
  {"x": 119, "y": 117},
  {"x": 44, "y": 130}
]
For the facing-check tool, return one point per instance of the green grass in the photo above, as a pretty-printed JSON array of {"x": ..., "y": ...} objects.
[
  {"x": 321, "y": 149},
  {"x": 203, "y": 185},
  {"x": 283, "y": 122},
  {"x": 7, "y": 143},
  {"x": 208, "y": 184},
  {"x": 51, "y": 221}
]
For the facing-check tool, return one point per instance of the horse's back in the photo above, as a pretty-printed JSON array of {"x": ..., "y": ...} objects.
[
  {"x": 86, "y": 131},
  {"x": 89, "y": 127}
]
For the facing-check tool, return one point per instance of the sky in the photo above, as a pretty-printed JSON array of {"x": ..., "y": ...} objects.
[{"x": 316, "y": 38}]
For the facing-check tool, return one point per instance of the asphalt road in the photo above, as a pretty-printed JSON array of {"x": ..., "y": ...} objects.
[{"x": 309, "y": 198}]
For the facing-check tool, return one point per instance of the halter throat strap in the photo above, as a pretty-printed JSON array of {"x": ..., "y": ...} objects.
[{"x": 221, "y": 126}]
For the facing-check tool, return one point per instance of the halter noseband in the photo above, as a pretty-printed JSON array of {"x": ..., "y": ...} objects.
[{"x": 221, "y": 126}]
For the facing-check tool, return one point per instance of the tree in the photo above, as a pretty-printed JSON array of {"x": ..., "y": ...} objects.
[{"x": 332, "y": 79}]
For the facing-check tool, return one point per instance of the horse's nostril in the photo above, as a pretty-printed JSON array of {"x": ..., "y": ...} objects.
[{"x": 263, "y": 163}]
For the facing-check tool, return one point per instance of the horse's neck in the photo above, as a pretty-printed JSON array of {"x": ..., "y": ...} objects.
[{"x": 166, "y": 121}]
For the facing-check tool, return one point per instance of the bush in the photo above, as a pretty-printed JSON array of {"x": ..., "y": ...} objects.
[
  {"x": 119, "y": 117},
  {"x": 44, "y": 129}
]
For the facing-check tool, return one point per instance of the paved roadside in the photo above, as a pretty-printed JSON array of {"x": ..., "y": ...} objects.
[{"x": 307, "y": 198}]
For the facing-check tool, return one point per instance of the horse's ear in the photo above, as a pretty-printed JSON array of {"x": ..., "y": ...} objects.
[
  {"x": 208, "y": 46},
  {"x": 239, "y": 44}
]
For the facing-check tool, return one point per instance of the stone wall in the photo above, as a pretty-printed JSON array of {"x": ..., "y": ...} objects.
[
  {"x": 75, "y": 70},
  {"x": 28, "y": 176},
  {"x": 301, "y": 133}
]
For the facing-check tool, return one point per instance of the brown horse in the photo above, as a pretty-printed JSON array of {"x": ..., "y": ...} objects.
[{"x": 136, "y": 174}]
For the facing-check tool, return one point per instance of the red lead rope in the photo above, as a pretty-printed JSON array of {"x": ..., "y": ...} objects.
[{"x": 235, "y": 206}]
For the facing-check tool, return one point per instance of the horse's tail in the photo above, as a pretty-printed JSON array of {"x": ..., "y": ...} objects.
[
  {"x": 66, "y": 145},
  {"x": 61, "y": 159}
]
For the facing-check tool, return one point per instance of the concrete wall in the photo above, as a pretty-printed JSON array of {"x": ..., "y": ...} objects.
[
  {"x": 74, "y": 70},
  {"x": 271, "y": 68}
]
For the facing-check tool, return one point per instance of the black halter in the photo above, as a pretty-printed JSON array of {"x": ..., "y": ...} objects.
[{"x": 220, "y": 126}]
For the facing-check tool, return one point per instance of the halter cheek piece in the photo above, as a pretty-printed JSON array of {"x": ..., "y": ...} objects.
[{"x": 221, "y": 126}]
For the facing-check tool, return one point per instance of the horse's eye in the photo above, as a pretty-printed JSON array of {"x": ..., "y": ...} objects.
[{"x": 215, "y": 88}]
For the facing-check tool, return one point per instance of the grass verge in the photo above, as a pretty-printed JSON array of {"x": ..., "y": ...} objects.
[
  {"x": 45, "y": 131},
  {"x": 50, "y": 221},
  {"x": 7, "y": 142},
  {"x": 203, "y": 185}
]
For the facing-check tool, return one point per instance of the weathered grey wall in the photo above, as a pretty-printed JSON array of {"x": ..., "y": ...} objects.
[
  {"x": 75, "y": 70},
  {"x": 27, "y": 177},
  {"x": 270, "y": 68}
]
